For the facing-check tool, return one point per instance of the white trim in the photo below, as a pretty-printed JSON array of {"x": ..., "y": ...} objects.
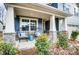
[
  {"x": 29, "y": 22},
  {"x": 52, "y": 8},
  {"x": 49, "y": 13},
  {"x": 42, "y": 25}
]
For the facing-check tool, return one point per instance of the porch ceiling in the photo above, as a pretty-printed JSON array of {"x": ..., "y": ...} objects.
[
  {"x": 39, "y": 9},
  {"x": 29, "y": 13}
]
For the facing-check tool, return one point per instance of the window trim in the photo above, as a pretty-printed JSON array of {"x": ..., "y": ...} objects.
[
  {"x": 29, "y": 24},
  {"x": 66, "y": 7}
]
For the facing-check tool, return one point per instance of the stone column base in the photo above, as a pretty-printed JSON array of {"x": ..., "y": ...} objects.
[
  {"x": 53, "y": 36},
  {"x": 9, "y": 38}
]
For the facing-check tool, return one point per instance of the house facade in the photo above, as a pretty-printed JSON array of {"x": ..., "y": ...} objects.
[
  {"x": 31, "y": 17},
  {"x": 72, "y": 21}
]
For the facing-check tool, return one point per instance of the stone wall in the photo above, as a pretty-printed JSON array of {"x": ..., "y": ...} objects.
[{"x": 9, "y": 38}]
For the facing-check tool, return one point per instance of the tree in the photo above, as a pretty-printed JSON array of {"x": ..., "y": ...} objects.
[{"x": 2, "y": 14}]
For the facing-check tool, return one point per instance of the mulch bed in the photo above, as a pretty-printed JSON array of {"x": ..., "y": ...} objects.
[
  {"x": 55, "y": 50},
  {"x": 74, "y": 50}
]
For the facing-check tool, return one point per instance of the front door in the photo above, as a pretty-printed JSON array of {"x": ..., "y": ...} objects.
[{"x": 47, "y": 26}]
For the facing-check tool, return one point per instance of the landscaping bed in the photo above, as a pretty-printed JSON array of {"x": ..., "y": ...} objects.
[
  {"x": 62, "y": 47},
  {"x": 54, "y": 50},
  {"x": 44, "y": 46},
  {"x": 69, "y": 51}
]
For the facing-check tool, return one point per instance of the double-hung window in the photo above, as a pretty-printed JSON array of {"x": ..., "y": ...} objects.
[
  {"x": 33, "y": 25},
  {"x": 66, "y": 7},
  {"x": 28, "y": 24}
]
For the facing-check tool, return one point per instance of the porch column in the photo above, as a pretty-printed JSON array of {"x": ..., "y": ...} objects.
[
  {"x": 9, "y": 31},
  {"x": 64, "y": 25},
  {"x": 60, "y": 25},
  {"x": 52, "y": 32}
]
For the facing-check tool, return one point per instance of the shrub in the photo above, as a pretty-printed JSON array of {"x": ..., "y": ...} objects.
[
  {"x": 1, "y": 38},
  {"x": 42, "y": 44},
  {"x": 62, "y": 40},
  {"x": 7, "y": 49},
  {"x": 74, "y": 35}
]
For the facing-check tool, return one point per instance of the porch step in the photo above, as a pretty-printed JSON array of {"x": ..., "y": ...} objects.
[
  {"x": 24, "y": 45},
  {"x": 31, "y": 51}
]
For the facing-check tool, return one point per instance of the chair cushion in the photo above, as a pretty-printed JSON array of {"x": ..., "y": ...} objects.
[{"x": 22, "y": 34}]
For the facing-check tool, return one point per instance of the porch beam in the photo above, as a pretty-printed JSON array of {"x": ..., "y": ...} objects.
[
  {"x": 26, "y": 8},
  {"x": 65, "y": 24}
]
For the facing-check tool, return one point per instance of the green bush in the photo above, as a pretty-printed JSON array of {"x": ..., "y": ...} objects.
[
  {"x": 74, "y": 35},
  {"x": 7, "y": 49},
  {"x": 62, "y": 40},
  {"x": 42, "y": 44},
  {"x": 1, "y": 38}
]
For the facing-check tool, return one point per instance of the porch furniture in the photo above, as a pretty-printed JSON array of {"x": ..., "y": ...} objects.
[
  {"x": 30, "y": 37},
  {"x": 37, "y": 34},
  {"x": 22, "y": 35}
]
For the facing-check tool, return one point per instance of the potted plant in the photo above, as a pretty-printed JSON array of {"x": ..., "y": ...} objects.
[{"x": 74, "y": 36}]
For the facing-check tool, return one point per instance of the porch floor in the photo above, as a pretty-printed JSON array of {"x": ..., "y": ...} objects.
[{"x": 24, "y": 44}]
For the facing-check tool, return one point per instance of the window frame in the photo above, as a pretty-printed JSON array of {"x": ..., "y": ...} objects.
[
  {"x": 66, "y": 7},
  {"x": 21, "y": 23}
]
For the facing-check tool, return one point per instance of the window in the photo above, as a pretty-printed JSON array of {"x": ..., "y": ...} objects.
[
  {"x": 73, "y": 25},
  {"x": 28, "y": 24},
  {"x": 25, "y": 20},
  {"x": 74, "y": 11},
  {"x": 33, "y": 25},
  {"x": 66, "y": 7},
  {"x": 25, "y": 25}
]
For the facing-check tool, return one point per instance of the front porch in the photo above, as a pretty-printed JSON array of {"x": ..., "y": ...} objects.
[{"x": 24, "y": 18}]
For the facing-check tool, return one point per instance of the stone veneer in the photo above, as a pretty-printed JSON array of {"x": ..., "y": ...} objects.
[
  {"x": 9, "y": 38},
  {"x": 53, "y": 35}
]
